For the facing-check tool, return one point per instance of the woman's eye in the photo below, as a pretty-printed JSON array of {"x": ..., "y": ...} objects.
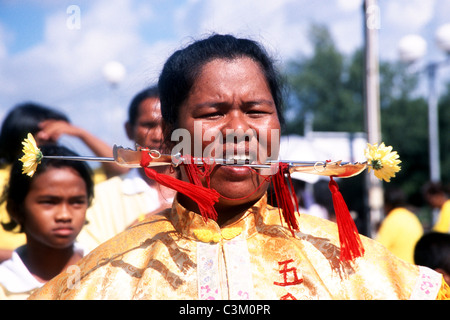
[
  {"x": 212, "y": 116},
  {"x": 256, "y": 113}
]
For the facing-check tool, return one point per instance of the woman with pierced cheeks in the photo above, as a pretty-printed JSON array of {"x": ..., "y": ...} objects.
[{"x": 248, "y": 253}]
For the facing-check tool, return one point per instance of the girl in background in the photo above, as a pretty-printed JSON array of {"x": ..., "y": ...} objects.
[
  {"x": 50, "y": 209},
  {"x": 47, "y": 125}
]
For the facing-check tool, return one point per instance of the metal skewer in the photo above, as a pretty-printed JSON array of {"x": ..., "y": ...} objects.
[
  {"x": 132, "y": 158},
  {"x": 81, "y": 158}
]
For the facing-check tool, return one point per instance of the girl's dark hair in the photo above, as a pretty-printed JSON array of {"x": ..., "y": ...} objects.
[
  {"x": 184, "y": 66},
  {"x": 21, "y": 120},
  {"x": 19, "y": 184}
]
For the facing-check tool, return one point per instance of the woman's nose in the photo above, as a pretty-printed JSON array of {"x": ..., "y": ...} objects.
[{"x": 237, "y": 121}]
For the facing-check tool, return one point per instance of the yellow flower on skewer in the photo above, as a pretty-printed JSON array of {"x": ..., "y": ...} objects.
[
  {"x": 382, "y": 160},
  {"x": 32, "y": 156}
]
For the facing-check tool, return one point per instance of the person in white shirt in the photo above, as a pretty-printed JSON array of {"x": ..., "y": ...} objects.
[{"x": 121, "y": 201}]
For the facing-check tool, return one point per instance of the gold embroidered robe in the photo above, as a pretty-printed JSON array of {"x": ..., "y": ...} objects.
[{"x": 176, "y": 255}]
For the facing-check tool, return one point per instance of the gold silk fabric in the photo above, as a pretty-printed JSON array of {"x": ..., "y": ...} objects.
[{"x": 177, "y": 255}]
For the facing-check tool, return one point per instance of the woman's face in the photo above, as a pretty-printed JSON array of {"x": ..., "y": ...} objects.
[
  {"x": 229, "y": 98},
  {"x": 55, "y": 207},
  {"x": 146, "y": 132}
]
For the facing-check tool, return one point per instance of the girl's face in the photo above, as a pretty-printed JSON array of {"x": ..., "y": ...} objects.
[
  {"x": 228, "y": 98},
  {"x": 55, "y": 207}
]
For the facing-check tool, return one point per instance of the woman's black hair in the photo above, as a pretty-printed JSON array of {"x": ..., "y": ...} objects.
[
  {"x": 21, "y": 120},
  {"x": 133, "y": 109},
  {"x": 19, "y": 184},
  {"x": 184, "y": 66}
]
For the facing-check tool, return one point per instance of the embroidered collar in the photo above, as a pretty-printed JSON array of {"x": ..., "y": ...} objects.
[{"x": 192, "y": 225}]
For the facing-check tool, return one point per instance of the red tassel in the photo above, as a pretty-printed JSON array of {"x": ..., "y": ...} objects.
[
  {"x": 351, "y": 245},
  {"x": 193, "y": 172},
  {"x": 285, "y": 196},
  {"x": 204, "y": 197}
]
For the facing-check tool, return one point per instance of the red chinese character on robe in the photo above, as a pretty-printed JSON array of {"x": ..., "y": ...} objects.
[
  {"x": 288, "y": 296},
  {"x": 284, "y": 270}
]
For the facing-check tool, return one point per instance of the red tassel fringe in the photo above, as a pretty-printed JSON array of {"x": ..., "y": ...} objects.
[
  {"x": 350, "y": 242},
  {"x": 285, "y": 196},
  {"x": 193, "y": 172},
  {"x": 204, "y": 197}
]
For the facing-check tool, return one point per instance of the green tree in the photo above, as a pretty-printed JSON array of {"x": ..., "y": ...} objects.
[{"x": 327, "y": 87}]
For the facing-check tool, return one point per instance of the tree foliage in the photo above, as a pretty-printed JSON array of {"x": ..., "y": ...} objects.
[{"x": 324, "y": 86}]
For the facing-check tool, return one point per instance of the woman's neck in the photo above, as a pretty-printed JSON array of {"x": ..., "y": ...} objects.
[{"x": 227, "y": 211}]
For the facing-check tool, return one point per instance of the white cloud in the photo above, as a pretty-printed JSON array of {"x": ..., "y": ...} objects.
[
  {"x": 65, "y": 70},
  {"x": 409, "y": 15},
  {"x": 350, "y": 5},
  {"x": 270, "y": 22}
]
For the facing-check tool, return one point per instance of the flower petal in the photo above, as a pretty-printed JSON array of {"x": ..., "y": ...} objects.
[
  {"x": 32, "y": 156},
  {"x": 383, "y": 161}
]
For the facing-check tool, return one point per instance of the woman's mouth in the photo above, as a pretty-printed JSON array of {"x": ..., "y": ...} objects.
[
  {"x": 236, "y": 167},
  {"x": 240, "y": 160}
]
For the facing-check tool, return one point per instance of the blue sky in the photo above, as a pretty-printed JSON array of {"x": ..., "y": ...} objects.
[
  {"x": 42, "y": 60},
  {"x": 13, "y": 17}
]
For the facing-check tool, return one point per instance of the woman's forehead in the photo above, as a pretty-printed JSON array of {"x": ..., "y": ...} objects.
[
  {"x": 230, "y": 65},
  {"x": 241, "y": 74}
]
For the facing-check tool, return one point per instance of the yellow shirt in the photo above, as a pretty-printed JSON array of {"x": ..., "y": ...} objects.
[
  {"x": 8, "y": 240},
  {"x": 443, "y": 223},
  {"x": 399, "y": 232},
  {"x": 177, "y": 255}
]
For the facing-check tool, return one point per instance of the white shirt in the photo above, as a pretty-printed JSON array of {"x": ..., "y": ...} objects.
[{"x": 16, "y": 280}]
